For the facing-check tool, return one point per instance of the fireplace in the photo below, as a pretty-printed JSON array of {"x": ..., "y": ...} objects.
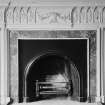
[
  {"x": 52, "y": 64},
  {"x": 52, "y": 79},
  {"x": 52, "y": 50},
  {"x": 52, "y": 67}
]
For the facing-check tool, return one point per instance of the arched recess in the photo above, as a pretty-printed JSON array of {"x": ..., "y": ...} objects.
[{"x": 32, "y": 73}]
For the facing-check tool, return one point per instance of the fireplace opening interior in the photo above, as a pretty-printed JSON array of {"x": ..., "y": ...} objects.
[{"x": 51, "y": 75}]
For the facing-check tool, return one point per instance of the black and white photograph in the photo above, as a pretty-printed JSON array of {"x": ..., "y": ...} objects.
[{"x": 52, "y": 52}]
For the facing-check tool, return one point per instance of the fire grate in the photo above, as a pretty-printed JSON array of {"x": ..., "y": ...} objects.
[{"x": 49, "y": 88}]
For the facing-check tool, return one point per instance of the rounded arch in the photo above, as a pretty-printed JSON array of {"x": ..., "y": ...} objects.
[{"x": 75, "y": 77}]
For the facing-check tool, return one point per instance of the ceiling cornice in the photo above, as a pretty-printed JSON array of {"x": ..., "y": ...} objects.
[{"x": 52, "y": 2}]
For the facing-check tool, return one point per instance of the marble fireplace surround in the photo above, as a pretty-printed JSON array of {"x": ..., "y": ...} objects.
[
  {"x": 90, "y": 35},
  {"x": 79, "y": 20}
]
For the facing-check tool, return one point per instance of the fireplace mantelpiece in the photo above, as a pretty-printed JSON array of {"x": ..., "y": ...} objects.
[{"x": 59, "y": 17}]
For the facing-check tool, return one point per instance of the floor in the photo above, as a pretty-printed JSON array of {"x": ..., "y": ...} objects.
[{"x": 56, "y": 102}]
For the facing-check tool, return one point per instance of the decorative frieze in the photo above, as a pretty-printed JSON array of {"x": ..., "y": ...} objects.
[
  {"x": 54, "y": 15},
  {"x": 73, "y": 15}
]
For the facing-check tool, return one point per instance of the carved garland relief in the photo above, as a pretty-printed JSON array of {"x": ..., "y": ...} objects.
[{"x": 52, "y": 16}]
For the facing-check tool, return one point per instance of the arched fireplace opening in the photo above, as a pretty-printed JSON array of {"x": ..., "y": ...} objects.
[{"x": 49, "y": 76}]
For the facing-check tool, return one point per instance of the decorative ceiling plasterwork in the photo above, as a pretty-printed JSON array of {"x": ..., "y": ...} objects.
[{"x": 53, "y": 15}]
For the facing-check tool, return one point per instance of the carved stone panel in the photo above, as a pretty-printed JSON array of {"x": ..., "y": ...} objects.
[{"x": 53, "y": 16}]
